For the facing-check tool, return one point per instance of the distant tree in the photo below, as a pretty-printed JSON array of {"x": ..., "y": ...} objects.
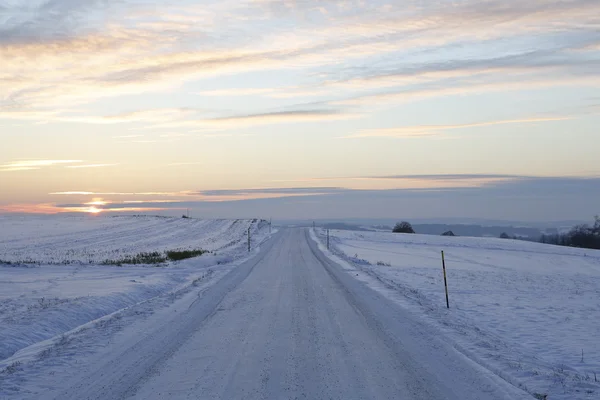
[
  {"x": 184, "y": 216},
  {"x": 403, "y": 227},
  {"x": 504, "y": 235},
  {"x": 584, "y": 236},
  {"x": 448, "y": 233}
]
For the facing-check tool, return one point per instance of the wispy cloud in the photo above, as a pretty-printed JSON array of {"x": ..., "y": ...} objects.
[
  {"x": 237, "y": 92},
  {"x": 180, "y": 75},
  {"x": 531, "y": 199},
  {"x": 281, "y": 116},
  {"x": 279, "y": 191},
  {"x": 91, "y": 166},
  {"x": 140, "y": 50},
  {"x": 275, "y": 92},
  {"x": 89, "y": 193},
  {"x": 451, "y": 177},
  {"x": 273, "y": 117},
  {"x": 395, "y": 96},
  {"x": 434, "y": 130},
  {"x": 181, "y": 164},
  {"x": 25, "y": 165},
  {"x": 148, "y": 116}
]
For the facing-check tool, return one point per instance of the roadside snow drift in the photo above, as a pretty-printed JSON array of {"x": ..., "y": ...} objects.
[{"x": 527, "y": 311}]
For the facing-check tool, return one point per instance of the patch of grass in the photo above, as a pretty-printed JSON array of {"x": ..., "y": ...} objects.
[
  {"x": 12, "y": 368},
  {"x": 156, "y": 257},
  {"x": 20, "y": 262},
  {"x": 141, "y": 258},
  {"x": 383, "y": 264},
  {"x": 177, "y": 255}
]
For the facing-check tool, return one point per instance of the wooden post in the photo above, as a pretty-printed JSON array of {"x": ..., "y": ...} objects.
[
  {"x": 327, "y": 239},
  {"x": 445, "y": 280},
  {"x": 249, "y": 240}
]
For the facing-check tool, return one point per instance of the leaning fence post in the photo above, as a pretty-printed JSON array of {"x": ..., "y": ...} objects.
[{"x": 445, "y": 280}]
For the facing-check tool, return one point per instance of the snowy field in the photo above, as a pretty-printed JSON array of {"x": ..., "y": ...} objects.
[
  {"x": 52, "y": 277},
  {"x": 94, "y": 240},
  {"x": 524, "y": 310}
]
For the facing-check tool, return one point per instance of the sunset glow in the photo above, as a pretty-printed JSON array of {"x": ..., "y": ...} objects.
[
  {"x": 97, "y": 202},
  {"x": 238, "y": 108}
]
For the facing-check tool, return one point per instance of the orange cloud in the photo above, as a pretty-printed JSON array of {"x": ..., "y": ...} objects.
[{"x": 47, "y": 208}]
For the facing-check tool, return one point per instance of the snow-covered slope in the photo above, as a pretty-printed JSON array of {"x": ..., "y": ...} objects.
[
  {"x": 92, "y": 239},
  {"x": 52, "y": 280},
  {"x": 524, "y": 310}
]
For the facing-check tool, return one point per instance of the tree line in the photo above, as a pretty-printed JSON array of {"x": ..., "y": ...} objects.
[{"x": 585, "y": 236}]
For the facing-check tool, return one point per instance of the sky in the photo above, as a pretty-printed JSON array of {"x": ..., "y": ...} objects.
[{"x": 301, "y": 108}]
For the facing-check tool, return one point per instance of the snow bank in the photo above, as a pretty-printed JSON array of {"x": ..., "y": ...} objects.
[{"x": 523, "y": 310}]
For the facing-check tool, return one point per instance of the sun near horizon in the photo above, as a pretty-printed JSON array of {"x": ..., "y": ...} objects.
[{"x": 309, "y": 109}]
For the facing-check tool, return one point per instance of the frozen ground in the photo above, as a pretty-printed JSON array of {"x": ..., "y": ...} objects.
[
  {"x": 523, "y": 310},
  {"x": 93, "y": 239},
  {"x": 52, "y": 280},
  {"x": 286, "y": 324}
]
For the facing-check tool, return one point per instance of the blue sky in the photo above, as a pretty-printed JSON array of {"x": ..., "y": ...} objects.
[{"x": 301, "y": 109}]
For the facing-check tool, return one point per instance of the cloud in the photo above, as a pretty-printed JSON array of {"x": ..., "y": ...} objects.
[
  {"x": 91, "y": 166},
  {"x": 26, "y": 165},
  {"x": 462, "y": 88},
  {"x": 266, "y": 118},
  {"x": 237, "y": 92},
  {"x": 48, "y": 208},
  {"x": 434, "y": 130},
  {"x": 149, "y": 116},
  {"x": 280, "y": 191},
  {"x": 45, "y": 19},
  {"x": 280, "y": 117},
  {"x": 511, "y": 66},
  {"x": 275, "y": 92},
  {"x": 441, "y": 177},
  {"x": 89, "y": 193},
  {"x": 180, "y": 164},
  {"x": 513, "y": 197},
  {"x": 64, "y": 53},
  {"x": 454, "y": 21}
]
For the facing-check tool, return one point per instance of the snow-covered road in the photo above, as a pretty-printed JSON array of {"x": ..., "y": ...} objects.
[{"x": 287, "y": 324}]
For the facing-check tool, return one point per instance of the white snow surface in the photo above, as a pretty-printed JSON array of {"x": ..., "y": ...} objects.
[
  {"x": 286, "y": 324},
  {"x": 95, "y": 239},
  {"x": 523, "y": 310},
  {"x": 52, "y": 281}
]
